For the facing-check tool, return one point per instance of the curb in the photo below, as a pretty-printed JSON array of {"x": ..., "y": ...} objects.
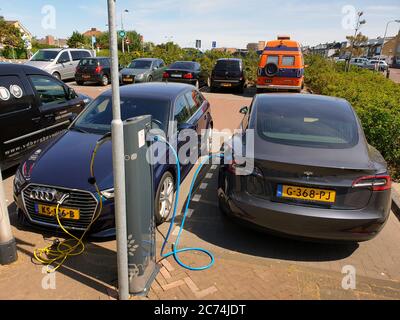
[{"x": 396, "y": 202}]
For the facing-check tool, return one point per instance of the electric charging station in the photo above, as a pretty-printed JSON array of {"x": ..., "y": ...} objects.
[{"x": 142, "y": 267}]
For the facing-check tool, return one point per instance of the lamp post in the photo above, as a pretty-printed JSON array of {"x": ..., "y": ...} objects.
[
  {"x": 383, "y": 42},
  {"x": 358, "y": 26},
  {"x": 117, "y": 135},
  {"x": 122, "y": 27}
]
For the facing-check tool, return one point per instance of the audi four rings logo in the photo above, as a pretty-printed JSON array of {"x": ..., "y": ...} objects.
[{"x": 45, "y": 194}]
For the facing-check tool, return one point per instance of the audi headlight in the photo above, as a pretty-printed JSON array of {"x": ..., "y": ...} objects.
[
  {"x": 19, "y": 181},
  {"x": 108, "y": 194}
]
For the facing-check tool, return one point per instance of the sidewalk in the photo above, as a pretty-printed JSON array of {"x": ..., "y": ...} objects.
[{"x": 396, "y": 198}]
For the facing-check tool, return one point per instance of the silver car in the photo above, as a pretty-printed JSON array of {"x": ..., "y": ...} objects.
[
  {"x": 142, "y": 70},
  {"x": 60, "y": 63},
  {"x": 373, "y": 65}
]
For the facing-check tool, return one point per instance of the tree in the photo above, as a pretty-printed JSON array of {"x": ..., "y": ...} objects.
[
  {"x": 103, "y": 40},
  {"x": 10, "y": 36},
  {"x": 357, "y": 41},
  {"x": 76, "y": 40},
  {"x": 134, "y": 38}
]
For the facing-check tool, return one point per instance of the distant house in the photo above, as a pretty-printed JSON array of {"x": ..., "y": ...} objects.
[
  {"x": 328, "y": 50},
  {"x": 52, "y": 41},
  {"x": 92, "y": 32},
  {"x": 21, "y": 28},
  {"x": 390, "y": 51},
  {"x": 26, "y": 35}
]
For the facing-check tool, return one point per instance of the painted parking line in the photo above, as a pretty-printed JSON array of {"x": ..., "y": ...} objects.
[
  {"x": 209, "y": 175},
  {"x": 203, "y": 186},
  {"x": 196, "y": 197}
]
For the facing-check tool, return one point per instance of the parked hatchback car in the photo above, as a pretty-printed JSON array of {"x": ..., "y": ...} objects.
[
  {"x": 63, "y": 165},
  {"x": 142, "y": 70},
  {"x": 373, "y": 65},
  {"x": 34, "y": 107},
  {"x": 93, "y": 70},
  {"x": 186, "y": 72},
  {"x": 60, "y": 63},
  {"x": 359, "y": 62},
  {"x": 228, "y": 73},
  {"x": 314, "y": 176}
]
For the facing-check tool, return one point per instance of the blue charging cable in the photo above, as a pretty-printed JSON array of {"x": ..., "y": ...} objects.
[{"x": 175, "y": 251}]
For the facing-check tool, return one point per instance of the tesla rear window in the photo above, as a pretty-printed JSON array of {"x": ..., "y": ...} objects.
[{"x": 307, "y": 125}]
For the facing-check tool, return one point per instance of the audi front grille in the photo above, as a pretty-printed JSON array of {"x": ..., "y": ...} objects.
[{"x": 82, "y": 200}]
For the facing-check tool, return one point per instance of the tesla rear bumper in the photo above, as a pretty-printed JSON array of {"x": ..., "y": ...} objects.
[{"x": 310, "y": 222}]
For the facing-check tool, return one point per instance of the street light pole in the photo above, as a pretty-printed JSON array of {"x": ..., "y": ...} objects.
[
  {"x": 122, "y": 27},
  {"x": 383, "y": 42},
  {"x": 8, "y": 247},
  {"x": 358, "y": 26},
  {"x": 118, "y": 156}
]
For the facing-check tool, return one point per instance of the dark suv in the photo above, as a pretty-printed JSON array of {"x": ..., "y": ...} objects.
[
  {"x": 93, "y": 69},
  {"x": 228, "y": 73},
  {"x": 34, "y": 107}
]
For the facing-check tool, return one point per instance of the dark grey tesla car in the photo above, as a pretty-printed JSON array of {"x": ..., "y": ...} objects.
[{"x": 315, "y": 175}]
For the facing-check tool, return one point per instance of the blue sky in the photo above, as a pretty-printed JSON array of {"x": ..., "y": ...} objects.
[{"x": 232, "y": 23}]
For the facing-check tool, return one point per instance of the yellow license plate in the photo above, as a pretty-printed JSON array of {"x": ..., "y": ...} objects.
[
  {"x": 226, "y": 84},
  {"x": 63, "y": 213},
  {"x": 309, "y": 194},
  {"x": 128, "y": 79}
]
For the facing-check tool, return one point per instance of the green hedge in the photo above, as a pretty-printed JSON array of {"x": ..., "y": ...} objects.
[{"x": 375, "y": 99}]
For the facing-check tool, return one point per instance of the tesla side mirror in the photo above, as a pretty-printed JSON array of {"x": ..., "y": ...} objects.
[{"x": 244, "y": 110}]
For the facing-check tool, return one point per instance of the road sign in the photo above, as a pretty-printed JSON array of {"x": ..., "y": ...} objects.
[
  {"x": 198, "y": 44},
  {"x": 214, "y": 44},
  {"x": 122, "y": 33}
]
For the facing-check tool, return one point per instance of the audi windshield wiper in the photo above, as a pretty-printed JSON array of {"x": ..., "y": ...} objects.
[{"x": 79, "y": 129}]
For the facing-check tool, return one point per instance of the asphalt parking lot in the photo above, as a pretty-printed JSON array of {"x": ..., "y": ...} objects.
[{"x": 249, "y": 264}]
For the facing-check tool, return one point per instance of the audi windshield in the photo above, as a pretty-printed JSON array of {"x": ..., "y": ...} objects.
[{"x": 98, "y": 115}]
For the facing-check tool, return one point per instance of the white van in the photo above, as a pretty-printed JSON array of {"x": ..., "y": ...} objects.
[{"x": 61, "y": 63}]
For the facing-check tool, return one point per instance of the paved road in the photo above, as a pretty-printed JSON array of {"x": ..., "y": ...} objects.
[
  {"x": 248, "y": 264},
  {"x": 395, "y": 75}
]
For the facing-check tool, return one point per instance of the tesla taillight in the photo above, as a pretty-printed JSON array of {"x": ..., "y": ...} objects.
[
  {"x": 377, "y": 183},
  {"x": 188, "y": 76}
]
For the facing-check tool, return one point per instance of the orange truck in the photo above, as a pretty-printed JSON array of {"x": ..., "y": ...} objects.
[{"x": 281, "y": 66}]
